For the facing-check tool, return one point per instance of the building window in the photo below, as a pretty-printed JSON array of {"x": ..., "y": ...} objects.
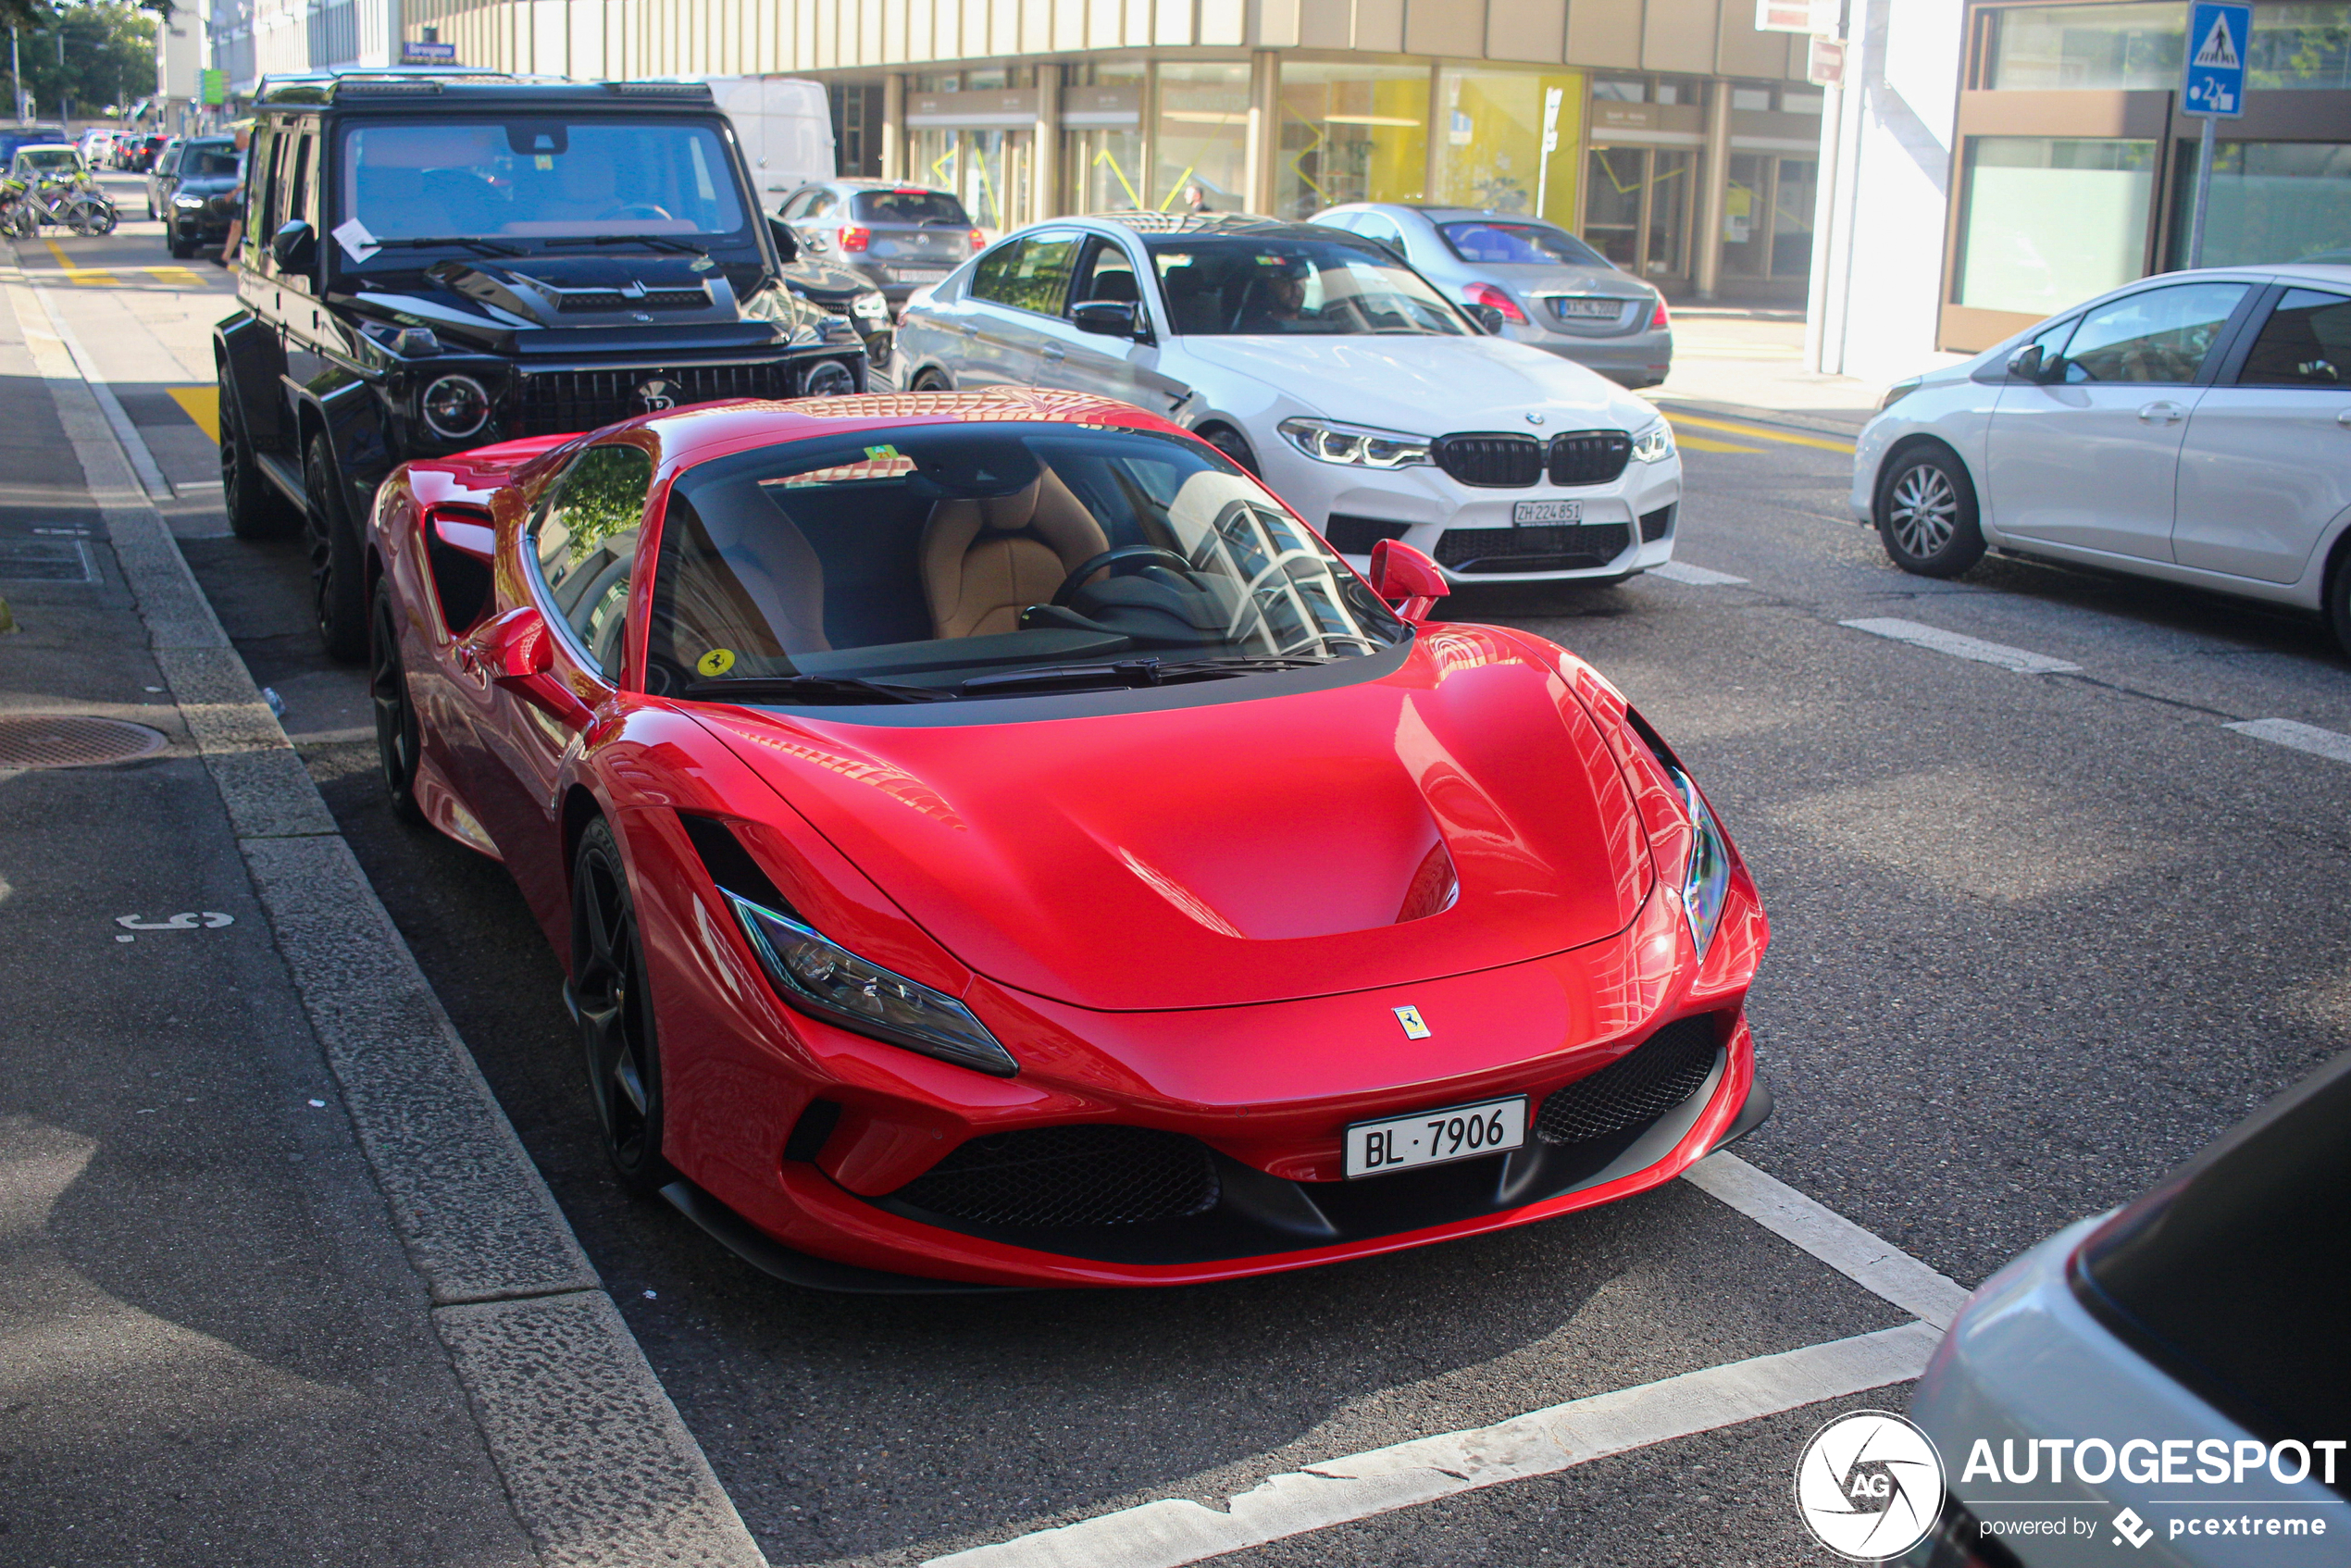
[
  {"x": 1350, "y": 133},
  {"x": 2137, "y": 47},
  {"x": 1103, "y": 146},
  {"x": 1619, "y": 92},
  {"x": 1203, "y": 133},
  {"x": 1489, "y": 149},
  {"x": 2047, "y": 221},
  {"x": 2271, "y": 202},
  {"x": 1755, "y": 99},
  {"x": 2299, "y": 46}
]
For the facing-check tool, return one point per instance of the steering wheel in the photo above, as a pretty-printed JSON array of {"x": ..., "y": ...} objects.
[
  {"x": 634, "y": 210},
  {"x": 1113, "y": 559}
]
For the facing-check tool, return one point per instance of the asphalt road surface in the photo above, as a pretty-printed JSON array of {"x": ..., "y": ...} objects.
[{"x": 2037, "y": 936}]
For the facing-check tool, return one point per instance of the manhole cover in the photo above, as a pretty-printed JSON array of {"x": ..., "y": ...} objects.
[
  {"x": 45, "y": 560},
  {"x": 73, "y": 740}
]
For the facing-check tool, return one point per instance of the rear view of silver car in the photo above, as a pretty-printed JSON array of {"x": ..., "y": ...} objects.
[
  {"x": 901, "y": 237},
  {"x": 1528, "y": 281}
]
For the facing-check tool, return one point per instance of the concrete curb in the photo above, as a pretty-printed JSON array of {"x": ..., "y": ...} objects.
[{"x": 596, "y": 1462}]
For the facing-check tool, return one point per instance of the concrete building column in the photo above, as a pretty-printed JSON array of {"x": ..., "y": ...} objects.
[
  {"x": 893, "y": 130},
  {"x": 1262, "y": 137},
  {"x": 1714, "y": 193},
  {"x": 1045, "y": 152}
]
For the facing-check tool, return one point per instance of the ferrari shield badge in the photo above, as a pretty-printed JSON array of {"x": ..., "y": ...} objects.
[{"x": 1410, "y": 1018}]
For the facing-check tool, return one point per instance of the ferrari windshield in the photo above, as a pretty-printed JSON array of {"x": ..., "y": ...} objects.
[
  {"x": 988, "y": 559},
  {"x": 538, "y": 177},
  {"x": 1242, "y": 288}
]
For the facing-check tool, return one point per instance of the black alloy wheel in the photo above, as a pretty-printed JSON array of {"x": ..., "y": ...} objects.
[
  {"x": 397, "y": 736},
  {"x": 607, "y": 995},
  {"x": 1926, "y": 513},
  {"x": 2339, "y": 603},
  {"x": 1233, "y": 444},
  {"x": 338, "y": 588},
  {"x": 931, "y": 381},
  {"x": 255, "y": 508}
]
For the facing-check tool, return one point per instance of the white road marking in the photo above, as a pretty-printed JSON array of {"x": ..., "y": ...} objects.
[
  {"x": 1543, "y": 1442},
  {"x": 2301, "y": 737},
  {"x": 1962, "y": 647},
  {"x": 1699, "y": 577},
  {"x": 1870, "y": 1262}
]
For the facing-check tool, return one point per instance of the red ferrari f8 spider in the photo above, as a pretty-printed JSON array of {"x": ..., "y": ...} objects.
[{"x": 994, "y": 842}]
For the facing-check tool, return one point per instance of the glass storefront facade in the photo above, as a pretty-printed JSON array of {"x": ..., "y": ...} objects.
[
  {"x": 1199, "y": 136},
  {"x": 1350, "y": 133},
  {"x": 2045, "y": 221},
  {"x": 1490, "y": 142},
  {"x": 2271, "y": 202},
  {"x": 2137, "y": 47}
]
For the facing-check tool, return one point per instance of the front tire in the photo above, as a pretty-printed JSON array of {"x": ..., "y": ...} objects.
[
  {"x": 256, "y": 508},
  {"x": 398, "y": 735},
  {"x": 1233, "y": 444},
  {"x": 1926, "y": 513},
  {"x": 607, "y": 995},
  {"x": 930, "y": 382},
  {"x": 337, "y": 590},
  {"x": 2339, "y": 603}
]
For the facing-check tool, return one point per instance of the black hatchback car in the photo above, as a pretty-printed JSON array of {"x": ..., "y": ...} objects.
[
  {"x": 195, "y": 193},
  {"x": 433, "y": 263}
]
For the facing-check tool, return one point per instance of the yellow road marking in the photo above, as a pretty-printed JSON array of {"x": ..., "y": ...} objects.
[
  {"x": 1753, "y": 432},
  {"x": 1699, "y": 443},
  {"x": 176, "y": 275},
  {"x": 201, "y": 404},
  {"x": 85, "y": 276}
]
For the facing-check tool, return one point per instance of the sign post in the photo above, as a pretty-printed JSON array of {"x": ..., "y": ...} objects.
[
  {"x": 2219, "y": 33},
  {"x": 1551, "y": 99}
]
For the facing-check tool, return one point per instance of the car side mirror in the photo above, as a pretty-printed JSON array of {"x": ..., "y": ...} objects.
[
  {"x": 1408, "y": 580},
  {"x": 786, "y": 243},
  {"x": 2025, "y": 364},
  {"x": 295, "y": 247},
  {"x": 517, "y": 652},
  {"x": 1487, "y": 316},
  {"x": 1110, "y": 319}
]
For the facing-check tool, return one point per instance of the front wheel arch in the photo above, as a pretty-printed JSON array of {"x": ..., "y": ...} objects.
[{"x": 1961, "y": 543}]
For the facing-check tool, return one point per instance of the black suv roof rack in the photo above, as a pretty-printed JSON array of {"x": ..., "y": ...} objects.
[{"x": 462, "y": 82}]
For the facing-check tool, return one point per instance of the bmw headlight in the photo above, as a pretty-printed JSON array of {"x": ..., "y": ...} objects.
[
  {"x": 1706, "y": 881},
  {"x": 1654, "y": 444},
  {"x": 455, "y": 407},
  {"x": 1327, "y": 442},
  {"x": 870, "y": 306},
  {"x": 827, "y": 980}
]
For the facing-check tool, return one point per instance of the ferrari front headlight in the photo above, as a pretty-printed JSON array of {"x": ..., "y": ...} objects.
[
  {"x": 1654, "y": 444},
  {"x": 1706, "y": 881},
  {"x": 821, "y": 977}
]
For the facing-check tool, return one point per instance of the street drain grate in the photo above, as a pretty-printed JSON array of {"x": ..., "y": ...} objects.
[
  {"x": 73, "y": 740},
  {"x": 46, "y": 560}
]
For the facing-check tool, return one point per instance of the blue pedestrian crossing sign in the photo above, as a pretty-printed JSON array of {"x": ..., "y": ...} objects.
[{"x": 2219, "y": 35}]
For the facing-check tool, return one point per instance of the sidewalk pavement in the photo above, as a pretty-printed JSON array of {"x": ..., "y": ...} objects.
[
  {"x": 277, "y": 1285},
  {"x": 1751, "y": 362}
]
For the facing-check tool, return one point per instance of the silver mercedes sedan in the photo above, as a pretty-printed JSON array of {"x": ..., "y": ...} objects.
[{"x": 1528, "y": 281}]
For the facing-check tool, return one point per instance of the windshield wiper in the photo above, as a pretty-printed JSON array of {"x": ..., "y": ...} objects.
[
  {"x": 487, "y": 247},
  {"x": 651, "y": 242},
  {"x": 1137, "y": 672},
  {"x": 816, "y": 688}
]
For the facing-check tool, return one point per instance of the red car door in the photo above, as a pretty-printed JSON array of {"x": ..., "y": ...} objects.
[{"x": 544, "y": 668}]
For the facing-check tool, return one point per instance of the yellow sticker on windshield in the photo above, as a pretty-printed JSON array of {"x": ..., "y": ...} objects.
[
  {"x": 719, "y": 660},
  {"x": 881, "y": 454}
]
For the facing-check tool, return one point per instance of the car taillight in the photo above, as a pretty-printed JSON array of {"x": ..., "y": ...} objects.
[
  {"x": 1658, "y": 322},
  {"x": 979, "y": 241},
  {"x": 853, "y": 238},
  {"x": 1487, "y": 294}
]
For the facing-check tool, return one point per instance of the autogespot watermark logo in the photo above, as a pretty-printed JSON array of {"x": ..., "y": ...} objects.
[{"x": 1869, "y": 1486}]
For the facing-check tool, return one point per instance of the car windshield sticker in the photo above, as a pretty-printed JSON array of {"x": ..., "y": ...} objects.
[
  {"x": 719, "y": 660},
  {"x": 356, "y": 241}
]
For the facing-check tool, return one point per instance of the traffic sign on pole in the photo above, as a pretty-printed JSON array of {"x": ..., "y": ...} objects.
[{"x": 2220, "y": 31}]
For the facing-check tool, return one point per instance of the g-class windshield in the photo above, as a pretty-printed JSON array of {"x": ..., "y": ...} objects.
[
  {"x": 538, "y": 177},
  {"x": 988, "y": 561}
]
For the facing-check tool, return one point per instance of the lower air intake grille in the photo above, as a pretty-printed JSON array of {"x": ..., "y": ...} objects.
[
  {"x": 1634, "y": 1089},
  {"x": 1562, "y": 547},
  {"x": 559, "y": 402},
  {"x": 1590, "y": 456},
  {"x": 1499, "y": 462},
  {"x": 1355, "y": 536},
  {"x": 1053, "y": 1178},
  {"x": 1657, "y": 525}
]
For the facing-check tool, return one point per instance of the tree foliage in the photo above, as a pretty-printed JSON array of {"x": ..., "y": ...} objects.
[{"x": 101, "y": 53}]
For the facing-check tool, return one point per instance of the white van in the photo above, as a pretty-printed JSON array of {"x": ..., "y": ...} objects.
[{"x": 786, "y": 127}]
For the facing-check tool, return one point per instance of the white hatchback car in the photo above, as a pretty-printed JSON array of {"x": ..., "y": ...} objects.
[
  {"x": 2193, "y": 427},
  {"x": 1373, "y": 405}
]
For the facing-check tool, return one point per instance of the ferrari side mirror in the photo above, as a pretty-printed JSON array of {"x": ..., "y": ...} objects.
[
  {"x": 1408, "y": 580},
  {"x": 517, "y": 652}
]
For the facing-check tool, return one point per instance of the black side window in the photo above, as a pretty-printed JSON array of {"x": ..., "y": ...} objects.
[
  {"x": 586, "y": 538},
  {"x": 2306, "y": 342},
  {"x": 1031, "y": 274},
  {"x": 1106, "y": 274},
  {"x": 819, "y": 204}
]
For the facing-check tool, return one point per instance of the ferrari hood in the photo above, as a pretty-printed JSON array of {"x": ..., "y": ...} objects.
[
  {"x": 1395, "y": 382},
  {"x": 1459, "y": 815}
]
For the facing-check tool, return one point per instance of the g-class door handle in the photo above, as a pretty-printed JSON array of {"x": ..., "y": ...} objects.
[{"x": 2162, "y": 414}]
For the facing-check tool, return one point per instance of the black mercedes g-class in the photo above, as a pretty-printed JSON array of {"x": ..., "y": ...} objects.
[{"x": 436, "y": 262}]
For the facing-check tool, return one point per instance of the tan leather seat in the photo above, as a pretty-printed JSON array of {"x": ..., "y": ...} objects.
[{"x": 984, "y": 562}]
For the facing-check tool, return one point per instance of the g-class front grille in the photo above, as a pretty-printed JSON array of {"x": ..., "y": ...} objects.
[{"x": 560, "y": 401}]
